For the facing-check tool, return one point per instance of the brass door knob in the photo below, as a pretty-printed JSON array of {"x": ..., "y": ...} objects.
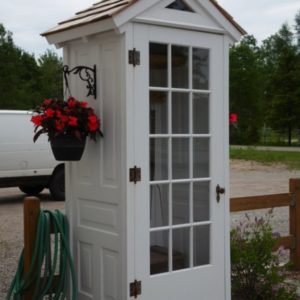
[{"x": 219, "y": 191}]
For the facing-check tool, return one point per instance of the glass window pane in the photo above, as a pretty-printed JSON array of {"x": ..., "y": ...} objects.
[
  {"x": 201, "y": 245},
  {"x": 181, "y": 203},
  {"x": 201, "y": 113},
  {"x": 180, "y": 113},
  {"x": 159, "y": 205},
  {"x": 158, "y": 112},
  {"x": 181, "y": 248},
  {"x": 159, "y": 252},
  {"x": 201, "y": 201},
  {"x": 180, "y": 158},
  {"x": 180, "y": 67},
  {"x": 158, "y": 65},
  {"x": 158, "y": 159},
  {"x": 201, "y": 157},
  {"x": 200, "y": 69}
]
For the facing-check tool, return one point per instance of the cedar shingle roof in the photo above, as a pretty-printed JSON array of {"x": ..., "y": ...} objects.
[
  {"x": 108, "y": 8},
  {"x": 99, "y": 11}
]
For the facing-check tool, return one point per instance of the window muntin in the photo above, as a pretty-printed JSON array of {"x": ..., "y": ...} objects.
[{"x": 179, "y": 157}]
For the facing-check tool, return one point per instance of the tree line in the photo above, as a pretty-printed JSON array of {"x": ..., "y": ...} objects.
[
  {"x": 25, "y": 81},
  {"x": 264, "y": 81},
  {"x": 265, "y": 84}
]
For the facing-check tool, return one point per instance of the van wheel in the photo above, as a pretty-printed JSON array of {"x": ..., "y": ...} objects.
[
  {"x": 31, "y": 190},
  {"x": 57, "y": 185}
]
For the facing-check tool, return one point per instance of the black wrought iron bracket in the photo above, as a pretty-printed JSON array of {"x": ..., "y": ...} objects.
[{"x": 86, "y": 74}]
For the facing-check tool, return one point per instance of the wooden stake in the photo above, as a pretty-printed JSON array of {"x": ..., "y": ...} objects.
[{"x": 31, "y": 216}]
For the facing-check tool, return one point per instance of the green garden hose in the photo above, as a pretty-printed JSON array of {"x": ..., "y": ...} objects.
[{"x": 44, "y": 265}]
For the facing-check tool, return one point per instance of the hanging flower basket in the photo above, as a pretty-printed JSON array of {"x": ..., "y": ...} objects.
[
  {"x": 67, "y": 124},
  {"x": 67, "y": 148}
]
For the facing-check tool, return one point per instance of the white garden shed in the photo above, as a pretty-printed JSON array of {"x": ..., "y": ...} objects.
[{"x": 148, "y": 217}]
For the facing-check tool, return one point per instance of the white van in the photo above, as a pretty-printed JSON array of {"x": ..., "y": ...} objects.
[{"x": 23, "y": 163}]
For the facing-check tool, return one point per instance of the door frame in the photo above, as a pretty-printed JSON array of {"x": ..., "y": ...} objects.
[{"x": 142, "y": 35}]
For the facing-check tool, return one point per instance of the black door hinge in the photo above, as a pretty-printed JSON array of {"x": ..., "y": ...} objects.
[
  {"x": 135, "y": 288},
  {"x": 135, "y": 174},
  {"x": 134, "y": 57}
]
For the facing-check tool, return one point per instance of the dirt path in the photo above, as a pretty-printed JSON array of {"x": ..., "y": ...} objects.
[{"x": 246, "y": 179}]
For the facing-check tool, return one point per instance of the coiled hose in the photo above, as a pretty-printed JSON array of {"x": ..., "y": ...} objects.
[{"x": 44, "y": 265}]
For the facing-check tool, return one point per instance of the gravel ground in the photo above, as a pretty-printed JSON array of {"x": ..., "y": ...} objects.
[{"x": 246, "y": 179}]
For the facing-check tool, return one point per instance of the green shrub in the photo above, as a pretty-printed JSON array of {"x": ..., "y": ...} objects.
[{"x": 255, "y": 271}]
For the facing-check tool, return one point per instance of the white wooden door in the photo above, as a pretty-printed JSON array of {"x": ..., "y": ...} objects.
[{"x": 179, "y": 145}]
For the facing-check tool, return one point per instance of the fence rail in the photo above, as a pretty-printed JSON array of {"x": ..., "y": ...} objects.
[{"x": 291, "y": 200}]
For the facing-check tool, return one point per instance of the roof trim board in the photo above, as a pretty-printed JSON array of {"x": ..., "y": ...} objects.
[{"x": 226, "y": 14}]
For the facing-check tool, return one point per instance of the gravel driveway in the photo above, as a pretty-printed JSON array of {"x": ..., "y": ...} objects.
[
  {"x": 246, "y": 179},
  {"x": 249, "y": 178},
  {"x": 11, "y": 231}
]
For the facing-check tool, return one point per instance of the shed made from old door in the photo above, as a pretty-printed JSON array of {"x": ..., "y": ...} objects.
[{"x": 148, "y": 220}]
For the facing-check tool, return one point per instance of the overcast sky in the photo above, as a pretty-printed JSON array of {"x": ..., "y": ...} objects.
[{"x": 28, "y": 18}]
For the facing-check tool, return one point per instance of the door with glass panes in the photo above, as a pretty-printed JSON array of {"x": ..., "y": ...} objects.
[{"x": 178, "y": 125}]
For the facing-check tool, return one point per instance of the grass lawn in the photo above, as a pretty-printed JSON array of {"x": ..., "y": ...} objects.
[{"x": 290, "y": 159}]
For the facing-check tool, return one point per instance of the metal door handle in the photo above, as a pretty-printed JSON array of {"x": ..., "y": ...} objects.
[{"x": 219, "y": 191}]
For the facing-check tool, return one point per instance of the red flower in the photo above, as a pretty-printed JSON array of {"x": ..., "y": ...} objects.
[
  {"x": 93, "y": 119},
  {"x": 49, "y": 112},
  {"x": 59, "y": 125},
  {"x": 233, "y": 118},
  {"x": 64, "y": 119},
  {"x": 36, "y": 120},
  {"x": 83, "y": 104},
  {"x": 67, "y": 110},
  {"x": 58, "y": 113},
  {"x": 73, "y": 121},
  {"x": 47, "y": 102},
  {"x": 71, "y": 102},
  {"x": 93, "y": 126}
]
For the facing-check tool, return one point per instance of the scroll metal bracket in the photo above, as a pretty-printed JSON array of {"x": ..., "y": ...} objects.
[{"x": 87, "y": 74}]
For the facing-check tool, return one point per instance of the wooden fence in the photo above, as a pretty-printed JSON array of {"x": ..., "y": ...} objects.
[{"x": 291, "y": 200}]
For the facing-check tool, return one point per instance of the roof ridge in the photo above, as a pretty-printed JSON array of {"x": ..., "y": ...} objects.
[
  {"x": 101, "y": 1},
  {"x": 98, "y": 4}
]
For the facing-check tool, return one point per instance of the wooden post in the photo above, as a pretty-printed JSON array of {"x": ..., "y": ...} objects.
[
  {"x": 31, "y": 216},
  {"x": 295, "y": 221}
]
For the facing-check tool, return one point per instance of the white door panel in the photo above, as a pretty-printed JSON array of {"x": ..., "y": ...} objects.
[{"x": 179, "y": 238}]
